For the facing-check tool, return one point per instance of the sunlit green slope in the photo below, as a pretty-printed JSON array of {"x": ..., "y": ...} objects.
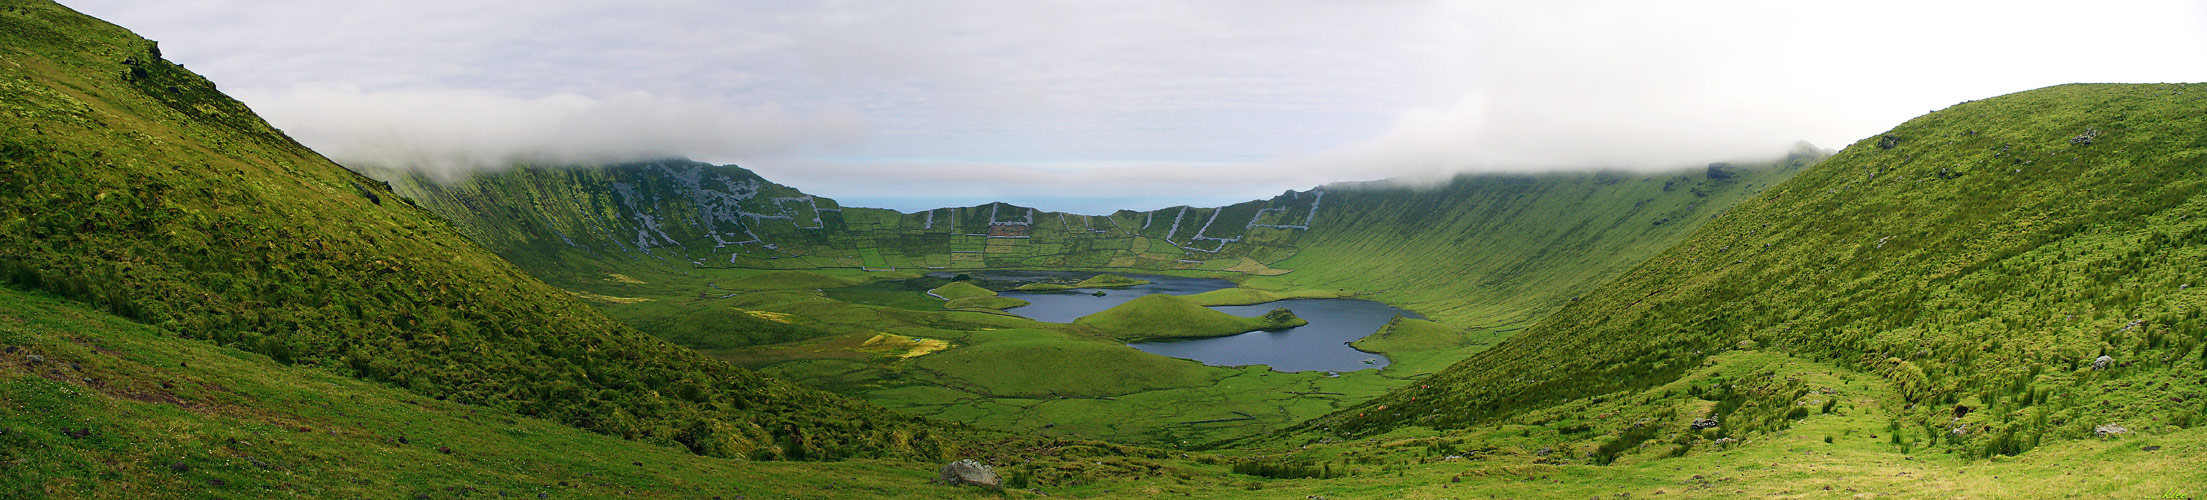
[
  {"x": 131, "y": 184},
  {"x": 1982, "y": 259},
  {"x": 96, "y": 406},
  {"x": 1497, "y": 251}
]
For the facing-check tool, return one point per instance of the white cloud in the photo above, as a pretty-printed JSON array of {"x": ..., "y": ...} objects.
[
  {"x": 1130, "y": 100},
  {"x": 1664, "y": 84},
  {"x": 1083, "y": 187},
  {"x": 447, "y": 132}
]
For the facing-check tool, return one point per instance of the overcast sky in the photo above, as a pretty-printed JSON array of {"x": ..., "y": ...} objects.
[{"x": 1092, "y": 106}]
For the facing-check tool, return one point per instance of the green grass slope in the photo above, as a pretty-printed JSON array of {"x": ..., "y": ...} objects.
[
  {"x": 1424, "y": 347},
  {"x": 131, "y": 184},
  {"x": 1786, "y": 427},
  {"x": 1162, "y": 317},
  {"x": 1109, "y": 281},
  {"x": 960, "y": 290},
  {"x": 991, "y": 302},
  {"x": 1248, "y": 296},
  {"x": 110, "y": 408},
  {"x": 1498, "y": 251},
  {"x": 95, "y": 406},
  {"x": 1097, "y": 281},
  {"x": 1981, "y": 259}
]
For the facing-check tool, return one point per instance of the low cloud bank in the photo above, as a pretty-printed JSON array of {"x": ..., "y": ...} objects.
[
  {"x": 1257, "y": 96},
  {"x": 449, "y": 133},
  {"x": 1641, "y": 85}
]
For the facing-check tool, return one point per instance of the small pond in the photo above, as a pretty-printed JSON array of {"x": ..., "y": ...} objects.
[{"x": 1321, "y": 345}]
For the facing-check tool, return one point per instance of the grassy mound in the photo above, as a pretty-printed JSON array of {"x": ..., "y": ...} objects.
[
  {"x": 1419, "y": 347},
  {"x": 961, "y": 290},
  {"x": 1097, "y": 281},
  {"x": 1110, "y": 281},
  {"x": 1159, "y": 317},
  {"x": 1250, "y": 296},
  {"x": 1407, "y": 334},
  {"x": 1980, "y": 258},
  {"x": 991, "y": 302},
  {"x": 131, "y": 184}
]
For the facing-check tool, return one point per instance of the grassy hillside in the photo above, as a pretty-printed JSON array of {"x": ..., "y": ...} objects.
[
  {"x": 1498, "y": 251},
  {"x": 680, "y": 214},
  {"x": 1249, "y": 296},
  {"x": 95, "y": 406},
  {"x": 112, "y": 408},
  {"x": 133, "y": 185},
  {"x": 1786, "y": 427},
  {"x": 1097, "y": 281},
  {"x": 1163, "y": 317},
  {"x": 1982, "y": 259},
  {"x": 960, "y": 290},
  {"x": 991, "y": 302},
  {"x": 1420, "y": 346}
]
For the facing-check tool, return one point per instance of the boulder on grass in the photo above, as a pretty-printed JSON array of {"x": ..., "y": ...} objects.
[{"x": 971, "y": 472}]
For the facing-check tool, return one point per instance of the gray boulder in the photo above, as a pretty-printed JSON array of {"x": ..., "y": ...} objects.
[
  {"x": 2109, "y": 430},
  {"x": 2102, "y": 362},
  {"x": 1704, "y": 423},
  {"x": 971, "y": 472}
]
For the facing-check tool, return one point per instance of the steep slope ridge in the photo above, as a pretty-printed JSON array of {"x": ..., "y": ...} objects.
[
  {"x": 1981, "y": 258},
  {"x": 682, "y": 214},
  {"x": 1501, "y": 250},
  {"x": 130, "y": 183}
]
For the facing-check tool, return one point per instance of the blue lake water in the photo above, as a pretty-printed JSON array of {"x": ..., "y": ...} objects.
[
  {"x": 1321, "y": 345},
  {"x": 1318, "y": 346}
]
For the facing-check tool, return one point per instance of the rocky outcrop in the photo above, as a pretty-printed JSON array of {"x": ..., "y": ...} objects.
[{"x": 965, "y": 472}]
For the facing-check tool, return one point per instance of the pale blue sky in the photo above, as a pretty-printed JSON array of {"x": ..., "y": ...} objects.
[{"x": 1092, "y": 106}]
